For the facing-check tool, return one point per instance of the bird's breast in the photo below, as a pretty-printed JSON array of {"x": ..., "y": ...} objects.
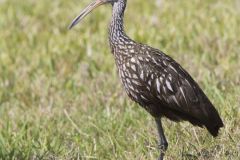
[{"x": 133, "y": 79}]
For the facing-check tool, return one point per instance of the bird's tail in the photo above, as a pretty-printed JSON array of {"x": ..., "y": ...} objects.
[
  {"x": 213, "y": 129},
  {"x": 214, "y": 122}
]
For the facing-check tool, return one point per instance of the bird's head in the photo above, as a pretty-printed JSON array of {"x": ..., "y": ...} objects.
[{"x": 89, "y": 8}]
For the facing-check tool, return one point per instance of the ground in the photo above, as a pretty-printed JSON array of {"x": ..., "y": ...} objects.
[{"x": 61, "y": 98}]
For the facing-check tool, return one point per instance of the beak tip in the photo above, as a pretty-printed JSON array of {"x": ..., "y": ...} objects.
[
  {"x": 87, "y": 10},
  {"x": 69, "y": 27},
  {"x": 73, "y": 24}
]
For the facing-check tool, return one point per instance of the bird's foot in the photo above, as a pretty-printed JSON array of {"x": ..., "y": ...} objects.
[
  {"x": 160, "y": 157},
  {"x": 162, "y": 148}
]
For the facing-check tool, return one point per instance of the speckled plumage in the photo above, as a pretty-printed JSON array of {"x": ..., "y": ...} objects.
[{"x": 156, "y": 81}]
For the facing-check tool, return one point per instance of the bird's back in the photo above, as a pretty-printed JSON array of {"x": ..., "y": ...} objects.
[{"x": 164, "y": 88}]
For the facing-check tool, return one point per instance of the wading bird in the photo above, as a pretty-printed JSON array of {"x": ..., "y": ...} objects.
[{"x": 154, "y": 80}]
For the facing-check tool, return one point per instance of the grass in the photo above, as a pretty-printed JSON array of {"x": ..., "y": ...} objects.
[{"x": 60, "y": 96}]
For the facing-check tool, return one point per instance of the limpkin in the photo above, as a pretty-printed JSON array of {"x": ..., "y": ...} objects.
[{"x": 154, "y": 80}]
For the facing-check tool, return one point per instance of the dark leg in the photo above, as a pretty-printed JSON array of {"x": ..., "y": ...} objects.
[{"x": 163, "y": 142}]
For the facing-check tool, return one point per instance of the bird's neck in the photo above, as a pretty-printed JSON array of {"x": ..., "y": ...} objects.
[{"x": 117, "y": 35}]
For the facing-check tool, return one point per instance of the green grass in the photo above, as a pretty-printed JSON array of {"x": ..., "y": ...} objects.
[{"x": 60, "y": 96}]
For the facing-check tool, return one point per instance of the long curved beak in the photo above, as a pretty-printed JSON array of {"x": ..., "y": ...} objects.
[{"x": 86, "y": 11}]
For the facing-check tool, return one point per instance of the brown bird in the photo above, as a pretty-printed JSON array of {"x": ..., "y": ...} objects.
[{"x": 154, "y": 80}]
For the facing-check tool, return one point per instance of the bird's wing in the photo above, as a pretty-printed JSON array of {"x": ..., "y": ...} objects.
[{"x": 170, "y": 84}]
